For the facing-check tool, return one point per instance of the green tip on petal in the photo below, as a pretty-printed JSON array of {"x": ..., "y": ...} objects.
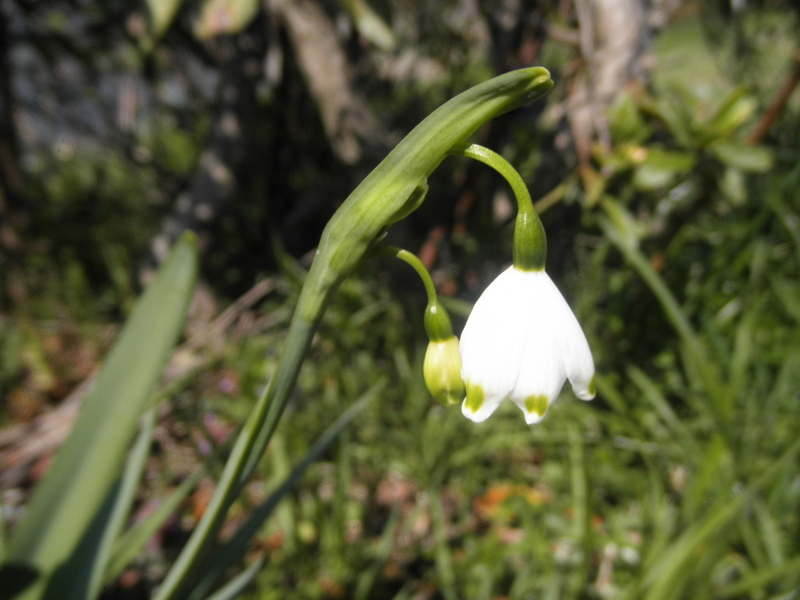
[
  {"x": 475, "y": 397},
  {"x": 593, "y": 386},
  {"x": 537, "y": 403}
]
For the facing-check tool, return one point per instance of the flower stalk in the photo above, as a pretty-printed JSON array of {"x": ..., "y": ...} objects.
[
  {"x": 393, "y": 190},
  {"x": 530, "y": 240},
  {"x": 442, "y": 365}
]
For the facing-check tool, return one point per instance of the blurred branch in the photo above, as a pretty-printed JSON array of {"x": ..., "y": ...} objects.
[
  {"x": 612, "y": 40},
  {"x": 778, "y": 104},
  {"x": 348, "y": 120},
  {"x": 217, "y": 174}
]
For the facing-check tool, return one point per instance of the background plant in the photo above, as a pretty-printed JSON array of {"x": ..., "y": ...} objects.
[{"x": 675, "y": 238}]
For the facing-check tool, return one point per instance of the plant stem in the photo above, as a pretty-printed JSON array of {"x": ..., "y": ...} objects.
[
  {"x": 416, "y": 263},
  {"x": 392, "y": 190},
  {"x": 530, "y": 241},
  {"x": 247, "y": 450}
]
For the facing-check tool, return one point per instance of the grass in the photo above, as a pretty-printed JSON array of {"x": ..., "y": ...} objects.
[{"x": 680, "y": 481}]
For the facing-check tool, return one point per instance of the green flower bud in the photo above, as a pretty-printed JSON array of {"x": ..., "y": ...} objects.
[
  {"x": 437, "y": 322},
  {"x": 442, "y": 371}
]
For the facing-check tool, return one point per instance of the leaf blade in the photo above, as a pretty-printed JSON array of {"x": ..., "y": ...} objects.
[{"x": 87, "y": 465}]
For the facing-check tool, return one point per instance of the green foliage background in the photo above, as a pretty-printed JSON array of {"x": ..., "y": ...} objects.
[{"x": 679, "y": 250}]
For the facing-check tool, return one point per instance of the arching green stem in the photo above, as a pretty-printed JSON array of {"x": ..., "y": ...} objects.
[
  {"x": 411, "y": 259},
  {"x": 388, "y": 193},
  {"x": 530, "y": 241},
  {"x": 437, "y": 322}
]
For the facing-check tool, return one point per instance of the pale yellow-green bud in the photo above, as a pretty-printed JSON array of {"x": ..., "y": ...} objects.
[{"x": 442, "y": 371}]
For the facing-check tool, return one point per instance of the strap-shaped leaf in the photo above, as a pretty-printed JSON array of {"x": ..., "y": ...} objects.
[
  {"x": 130, "y": 543},
  {"x": 124, "y": 496},
  {"x": 89, "y": 462},
  {"x": 236, "y": 586},
  {"x": 235, "y": 548}
]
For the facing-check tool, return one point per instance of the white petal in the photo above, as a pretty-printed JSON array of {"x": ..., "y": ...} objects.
[
  {"x": 541, "y": 374},
  {"x": 576, "y": 357},
  {"x": 522, "y": 341},
  {"x": 494, "y": 336}
]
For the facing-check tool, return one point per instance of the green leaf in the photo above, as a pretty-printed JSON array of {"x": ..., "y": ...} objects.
[
  {"x": 236, "y": 586},
  {"x": 625, "y": 230},
  {"x": 665, "y": 578},
  {"x": 370, "y": 25},
  {"x": 128, "y": 546},
  {"x": 788, "y": 293},
  {"x": 125, "y": 494},
  {"x": 734, "y": 111},
  {"x": 368, "y": 577},
  {"x": 661, "y": 168},
  {"x": 747, "y": 586},
  {"x": 89, "y": 461},
  {"x": 235, "y": 548},
  {"x": 626, "y": 121},
  {"x": 750, "y": 159},
  {"x": 664, "y": 410},
  {"x": 733, "y": 185},
  {"x": 162, "y": 13},
  {"x": 697, "y": 362}
]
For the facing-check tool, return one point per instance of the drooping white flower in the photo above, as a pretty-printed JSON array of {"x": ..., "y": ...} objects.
[{"x": 521, "y": 342}]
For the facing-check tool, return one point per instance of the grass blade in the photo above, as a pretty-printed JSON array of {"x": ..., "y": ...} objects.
[
  {"x": 367, "y": 579},
  {"x": 235, "y": 548},
  {"x": 126, "y": 494},
  {"x": 663, "y": 577},
  {"x": 444, "y": 559},
  {"x": 698, "y": 361},
  {"x": 88, "y": 463},
  {"x": 582, "y": 515},
  {"x": 747, "y": 586},
  {"x": 663, "y": 409},
  {"x": 236, "y": 586},
  {"x": 132, "y": 541}
]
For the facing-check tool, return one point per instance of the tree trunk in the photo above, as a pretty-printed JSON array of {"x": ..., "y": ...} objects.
[{"x": 225, "y": 155}]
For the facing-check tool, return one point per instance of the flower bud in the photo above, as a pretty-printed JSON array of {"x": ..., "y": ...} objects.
[{"x": 442, "y": 371}]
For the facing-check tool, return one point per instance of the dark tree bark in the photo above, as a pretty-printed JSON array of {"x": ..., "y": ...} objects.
[
  {"x": 225, "y": 155},
  {"x": 349, "y": 122},
  {"x": 12, "y": 214}
]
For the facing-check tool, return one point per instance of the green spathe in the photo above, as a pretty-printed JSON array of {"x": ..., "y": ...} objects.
[{"x": 397, "y": 184}]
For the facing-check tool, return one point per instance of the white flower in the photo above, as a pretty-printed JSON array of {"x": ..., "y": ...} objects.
[{"x": 521, "y": 342}]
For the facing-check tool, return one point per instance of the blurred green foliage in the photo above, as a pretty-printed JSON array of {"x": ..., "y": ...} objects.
[{"x": 679, "y": 250}]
